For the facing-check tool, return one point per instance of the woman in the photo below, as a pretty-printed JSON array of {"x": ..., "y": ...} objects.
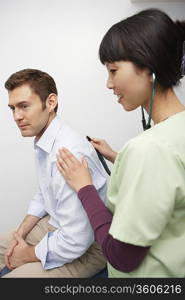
[{"x": 142, "y": 230}]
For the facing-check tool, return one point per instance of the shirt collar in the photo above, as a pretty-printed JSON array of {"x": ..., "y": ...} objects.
[{"x": 47, "y": 140}]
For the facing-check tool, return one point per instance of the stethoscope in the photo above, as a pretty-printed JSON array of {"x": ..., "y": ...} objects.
[
  {"x": 145, "y": 125},
  {"x": 101, "y": 158},
  {"x": 148, "y": 124}
]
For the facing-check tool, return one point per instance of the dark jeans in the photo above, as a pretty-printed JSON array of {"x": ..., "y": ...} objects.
[
  {"x": 4, "y": 271},
  {"x": 102, "y": 274}
]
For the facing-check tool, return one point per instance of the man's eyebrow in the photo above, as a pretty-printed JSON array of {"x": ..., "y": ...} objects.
[{"x": 18, "y": 104}]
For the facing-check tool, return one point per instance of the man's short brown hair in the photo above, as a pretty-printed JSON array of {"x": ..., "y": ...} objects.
[{"x": 40, "y": 82}]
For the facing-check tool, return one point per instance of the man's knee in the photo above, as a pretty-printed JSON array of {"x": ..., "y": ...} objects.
[{"x": 5, "y": 240}]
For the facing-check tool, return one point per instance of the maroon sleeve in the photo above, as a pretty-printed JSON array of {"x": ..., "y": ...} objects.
[{"x": 122, "y": 256}]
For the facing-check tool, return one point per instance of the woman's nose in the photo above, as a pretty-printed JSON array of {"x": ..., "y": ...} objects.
[{"x": 109, "y": 84}]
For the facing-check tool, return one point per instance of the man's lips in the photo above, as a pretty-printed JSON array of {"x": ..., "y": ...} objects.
[{"x": 23, "y": 126}]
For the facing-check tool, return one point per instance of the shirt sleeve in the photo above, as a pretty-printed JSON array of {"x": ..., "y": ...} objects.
[
  {"x": 146, "y": 177},
  {"x": 73, "y": 235},
  {"x": 36, "y": 206}
]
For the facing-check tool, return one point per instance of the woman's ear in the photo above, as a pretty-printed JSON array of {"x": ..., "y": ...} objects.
[{"x": 51, "y": 102}]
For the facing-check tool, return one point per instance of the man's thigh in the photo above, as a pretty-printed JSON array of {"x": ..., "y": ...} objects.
[{"x": 86, "y": 266}]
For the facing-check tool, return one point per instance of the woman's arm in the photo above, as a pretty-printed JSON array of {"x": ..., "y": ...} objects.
[{"x": 122, "y": 256}]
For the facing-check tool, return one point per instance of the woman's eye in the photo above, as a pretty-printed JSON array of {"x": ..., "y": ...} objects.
[{"x": 112, "y": 71}]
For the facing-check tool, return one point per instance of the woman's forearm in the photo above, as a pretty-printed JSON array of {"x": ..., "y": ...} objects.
[{"x": 122, "y": 256}]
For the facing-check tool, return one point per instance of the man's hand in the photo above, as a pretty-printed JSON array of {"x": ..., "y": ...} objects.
[
  {"x": 22, "y": 253},
  {"x": 9, "y": 251}
]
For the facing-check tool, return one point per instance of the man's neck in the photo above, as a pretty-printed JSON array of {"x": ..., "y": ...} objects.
[{"x": 50, "y": 119}]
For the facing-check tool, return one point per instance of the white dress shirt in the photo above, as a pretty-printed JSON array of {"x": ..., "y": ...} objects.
[{"x": 74, "y": 234}]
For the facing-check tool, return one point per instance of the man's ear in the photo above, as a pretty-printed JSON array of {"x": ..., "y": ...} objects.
[{"x": 51, "y": 102}]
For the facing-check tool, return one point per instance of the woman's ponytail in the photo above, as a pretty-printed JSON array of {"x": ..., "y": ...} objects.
[{"x": 181, "y": 25}]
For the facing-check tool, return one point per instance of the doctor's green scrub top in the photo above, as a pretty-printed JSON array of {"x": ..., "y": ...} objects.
[{"x": 146, "y": 195}]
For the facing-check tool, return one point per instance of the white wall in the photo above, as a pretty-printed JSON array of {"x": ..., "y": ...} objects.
[{"x": 62, "y": 38}]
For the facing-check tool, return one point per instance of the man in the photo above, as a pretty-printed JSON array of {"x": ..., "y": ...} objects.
[{"x": 55, "y": 239}]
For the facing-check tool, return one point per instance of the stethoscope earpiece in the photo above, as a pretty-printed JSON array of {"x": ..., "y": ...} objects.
[{"x": 153, "y": 77}]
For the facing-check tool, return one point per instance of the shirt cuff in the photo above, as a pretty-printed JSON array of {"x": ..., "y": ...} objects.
[{"x": 41, "y": 250}]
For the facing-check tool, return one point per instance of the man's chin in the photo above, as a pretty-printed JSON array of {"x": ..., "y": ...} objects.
[{"x": 26, "y": 134}]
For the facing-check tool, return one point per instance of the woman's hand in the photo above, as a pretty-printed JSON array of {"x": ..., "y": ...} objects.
[
  {"x": 76, "y": 173},
  {"x": 104, "y": 149}
]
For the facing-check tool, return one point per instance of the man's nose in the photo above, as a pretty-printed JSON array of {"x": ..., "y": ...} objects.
[{"x": 17, "y": 115}]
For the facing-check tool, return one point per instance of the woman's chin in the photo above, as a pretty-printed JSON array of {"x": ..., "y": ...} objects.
[{"x": 127, "y": 107}]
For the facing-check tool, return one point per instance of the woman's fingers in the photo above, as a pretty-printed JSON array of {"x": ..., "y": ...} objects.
[
  {"x": 61, "y": 169},
  {"x": 68, "y": 157},
  {"x": 64, "y": 160},
  {"x": 75, "y": 172},
  {"x": 64, "y": 164},
  {"x": 85, "y": 163},
  {"x": 95, "y": 139}
]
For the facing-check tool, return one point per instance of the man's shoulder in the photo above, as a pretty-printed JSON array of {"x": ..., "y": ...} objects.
[
  {"x": 73, "y": 140},
  {"x": 69, "y": 137}
]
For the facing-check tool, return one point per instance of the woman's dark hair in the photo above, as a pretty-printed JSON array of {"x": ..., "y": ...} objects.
[
  {"x": 40, "y": 82},
  {"x": 150, "y": 39}
]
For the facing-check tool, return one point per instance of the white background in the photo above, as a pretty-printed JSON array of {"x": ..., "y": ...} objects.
[{"x": 61, "y": 37}]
